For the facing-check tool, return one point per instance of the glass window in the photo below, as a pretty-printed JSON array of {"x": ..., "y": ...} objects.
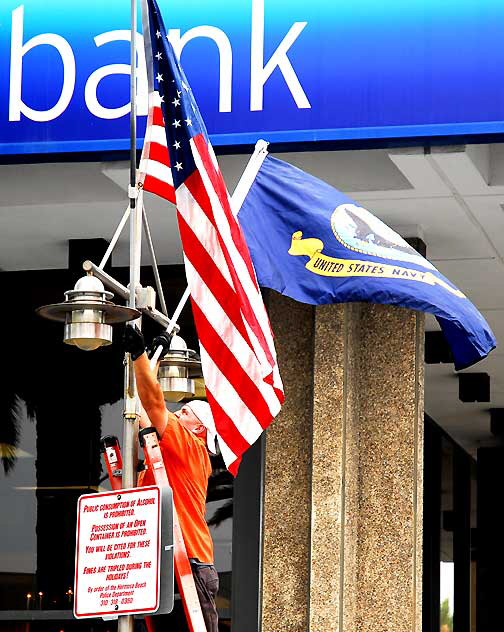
[{"x": 57, "y": 402}]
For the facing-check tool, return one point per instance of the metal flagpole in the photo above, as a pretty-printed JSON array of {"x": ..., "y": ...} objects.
[
  {"x": 171, "y": 326},
  {"x": 131, "y": 408},
  {"x": 248, "y": 176}
]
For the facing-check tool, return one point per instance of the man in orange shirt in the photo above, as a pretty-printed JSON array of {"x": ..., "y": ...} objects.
[{"x": 186, "y": 436}]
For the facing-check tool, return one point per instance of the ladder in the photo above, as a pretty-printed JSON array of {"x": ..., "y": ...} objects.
[{"x": 149, "y": 441}]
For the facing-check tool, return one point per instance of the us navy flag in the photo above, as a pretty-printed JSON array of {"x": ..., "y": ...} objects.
[{"x": 312, "y": 243}]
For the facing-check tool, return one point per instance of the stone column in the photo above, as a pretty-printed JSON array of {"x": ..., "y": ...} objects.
[
  {"x": 287, "y": 478},
  {"x": 343, "y": 471}
]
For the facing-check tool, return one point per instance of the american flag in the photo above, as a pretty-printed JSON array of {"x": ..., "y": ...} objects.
[
  {"x": 238, "y": 356},
  {"x": 155, "y": 172}
]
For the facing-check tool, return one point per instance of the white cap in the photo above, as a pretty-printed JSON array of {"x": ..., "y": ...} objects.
[{"x": 203, "y": 412}]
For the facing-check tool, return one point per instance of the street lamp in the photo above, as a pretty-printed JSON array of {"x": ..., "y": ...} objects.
[
  {"x": 178, "y": 370},
  {"x": 88, "y": 314}
]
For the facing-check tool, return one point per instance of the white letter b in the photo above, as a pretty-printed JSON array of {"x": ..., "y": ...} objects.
[{"x": 18, "y": 49}]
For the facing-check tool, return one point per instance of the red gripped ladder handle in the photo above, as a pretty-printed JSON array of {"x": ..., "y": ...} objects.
[
  {"x": 113, "y": 460},
  {"x": 154, "y": 461}
]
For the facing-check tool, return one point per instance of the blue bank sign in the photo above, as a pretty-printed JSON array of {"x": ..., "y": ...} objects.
[{"x": 286, "y": 70}]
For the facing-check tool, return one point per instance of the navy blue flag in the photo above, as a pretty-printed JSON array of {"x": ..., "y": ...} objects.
[{"x": 312, "y": 243}]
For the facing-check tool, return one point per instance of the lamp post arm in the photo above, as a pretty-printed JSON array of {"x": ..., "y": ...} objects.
[
  {"x": 154, "y": 262},
  {"x": 122, "y": 291}
]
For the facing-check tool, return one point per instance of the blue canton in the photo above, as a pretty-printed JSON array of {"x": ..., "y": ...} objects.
[{"x": 181, "y": 115}]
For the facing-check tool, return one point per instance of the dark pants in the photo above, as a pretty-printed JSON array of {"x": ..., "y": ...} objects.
[
  {"x": 207, "y": 585},
  {"x": 206, "y": 581}
]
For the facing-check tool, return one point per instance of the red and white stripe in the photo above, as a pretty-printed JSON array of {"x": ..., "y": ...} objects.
[
  {"x": 237, "y": 351},
  {"x": 238, "y": 356},
  {"x": 155, "y": 173}
]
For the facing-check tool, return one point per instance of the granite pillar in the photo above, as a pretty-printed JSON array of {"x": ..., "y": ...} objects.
[
  {"x": 287, "y": 479},
  {"x": 343, "y": 474}
]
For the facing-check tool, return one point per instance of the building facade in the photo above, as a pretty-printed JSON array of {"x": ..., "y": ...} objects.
[{"x": 370, "y": 503}]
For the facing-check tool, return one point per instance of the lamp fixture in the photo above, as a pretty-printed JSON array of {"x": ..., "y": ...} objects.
[
  {"x": 88, "y": 314},
  {"x": 178, "y": 370}
]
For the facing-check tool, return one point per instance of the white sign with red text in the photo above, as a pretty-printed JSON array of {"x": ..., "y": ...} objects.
[{"x": 117, "y": 555}]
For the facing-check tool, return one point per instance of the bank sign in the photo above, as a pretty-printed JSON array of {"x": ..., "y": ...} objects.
[{"x": 284, "y": 70}]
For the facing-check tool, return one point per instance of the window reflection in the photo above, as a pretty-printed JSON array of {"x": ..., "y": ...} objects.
[
  {"x": 447, "y": 588},
  {"x": 56, "y": 402},
  {"x": 18, "y": 524},
  {"x": 51, "y": 425}
]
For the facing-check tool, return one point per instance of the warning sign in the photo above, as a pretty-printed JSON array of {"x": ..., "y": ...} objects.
[{"x": 117, "y": 554}]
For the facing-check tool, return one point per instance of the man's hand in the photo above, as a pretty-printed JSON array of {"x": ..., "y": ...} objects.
[
  {"x": 163, "y": 340},
  {"x": 133, "y": 341}
]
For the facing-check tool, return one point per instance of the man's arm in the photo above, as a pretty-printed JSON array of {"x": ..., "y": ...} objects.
[
  {"x": 149, "y": 390},
  {"x": 154, "y": 409},
  {"x": 151, "y": 394},
  {"x": 145, "y": 422}
]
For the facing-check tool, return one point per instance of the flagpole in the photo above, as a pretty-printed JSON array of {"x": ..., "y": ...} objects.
[
  {"x": 248, "y": 175},
  {"x": 131, "y": 409},
  {"x": 135, "y": 203},
  {"x": 133, "y": 75}
]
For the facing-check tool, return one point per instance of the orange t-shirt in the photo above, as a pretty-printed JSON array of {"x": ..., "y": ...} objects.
[{"x": 188, "y": 467}]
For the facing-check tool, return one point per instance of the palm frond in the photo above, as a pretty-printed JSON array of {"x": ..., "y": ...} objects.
[{"x": 10, "y": 430}]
